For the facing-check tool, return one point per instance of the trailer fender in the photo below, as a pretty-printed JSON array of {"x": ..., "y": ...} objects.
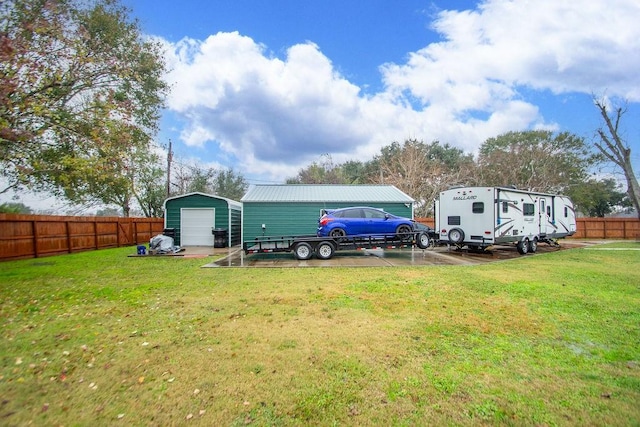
[{"x": 325, "y": 250}]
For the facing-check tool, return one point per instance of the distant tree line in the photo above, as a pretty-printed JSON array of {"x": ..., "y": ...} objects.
[{"x": 535, "y": 160}]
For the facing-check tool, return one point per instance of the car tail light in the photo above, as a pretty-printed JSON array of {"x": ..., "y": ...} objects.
[{"x": 324, "y": 221}]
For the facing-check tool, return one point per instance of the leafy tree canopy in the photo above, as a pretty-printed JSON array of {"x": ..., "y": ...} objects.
[
  {"x": 79, "y": 91},
  {"x": 15, "y": 208},
  {"x": 534, "y": 160},
  {"x": 598, "y": 198}
]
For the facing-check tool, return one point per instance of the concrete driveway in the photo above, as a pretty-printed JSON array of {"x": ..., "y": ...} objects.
[{"x": 442, "y": 255}]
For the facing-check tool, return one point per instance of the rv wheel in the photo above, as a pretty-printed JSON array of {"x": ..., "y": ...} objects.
[
  {"x": 533, "y": 245},
  {"x": 456, "y": 236},
  {"x": 523, "y": 246}
]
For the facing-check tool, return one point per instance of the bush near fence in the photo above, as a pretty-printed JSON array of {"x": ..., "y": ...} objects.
[
  {"x": 592, "y": 228},
  {"x": 34, "y": 236}
]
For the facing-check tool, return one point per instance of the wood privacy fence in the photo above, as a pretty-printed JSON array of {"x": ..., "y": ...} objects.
[
  {"x": 33, "y": 236},
  {"x": 593, "y": 228}
]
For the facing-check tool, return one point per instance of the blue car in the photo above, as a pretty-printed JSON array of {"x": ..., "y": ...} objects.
[{"x": 338, "y": 223}]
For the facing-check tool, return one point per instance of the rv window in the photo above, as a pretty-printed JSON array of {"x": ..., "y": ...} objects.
[
  {"x": 566, "y": 212},
  {"x": 505, "y": 207},
  {"x": 548, "y": 210},
  {"x": 528, "y": 209},
  {"x": 478, "y": 207}
]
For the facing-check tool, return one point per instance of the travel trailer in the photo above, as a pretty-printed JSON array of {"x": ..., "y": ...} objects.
[{"x": 479, "y": 217}]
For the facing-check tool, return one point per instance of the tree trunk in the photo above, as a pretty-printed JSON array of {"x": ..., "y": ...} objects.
[{"x": 614, "y": 149}]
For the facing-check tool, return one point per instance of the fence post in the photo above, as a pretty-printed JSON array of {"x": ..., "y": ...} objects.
[
  {"x": 67, "y": 228},
  {"x": 34, "y": 226}
]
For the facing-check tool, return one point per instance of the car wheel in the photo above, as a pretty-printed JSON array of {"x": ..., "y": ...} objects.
[
  {"x": 456, "y": 236},
  {"x": 404, "y": 231},
  {"x": 303, "y": 251},
  {"x": 523, "y": 246},
  {"x": 338, "y": 234},
  {"x": 423, "y": 241},
  {"x": 325, "y": 250},
  {"x": 533, "y": 245}
]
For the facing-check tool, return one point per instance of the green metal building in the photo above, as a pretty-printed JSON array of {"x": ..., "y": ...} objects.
[
  {"x": 293, "y": 210},
  {"x": 193, "y": 217}
]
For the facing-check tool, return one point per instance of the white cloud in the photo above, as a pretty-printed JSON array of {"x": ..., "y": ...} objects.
[{"x": 278, "y": 114}]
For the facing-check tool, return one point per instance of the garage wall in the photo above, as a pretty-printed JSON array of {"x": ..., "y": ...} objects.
[
  {"x": 173, "y": 207},
  {"x": 298, "y": 218},
  {"x": 235, "y": 234}
]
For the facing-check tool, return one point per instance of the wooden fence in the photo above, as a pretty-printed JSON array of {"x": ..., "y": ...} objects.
[
  {"x": 608, "y": 228},
  {"x": 33, "y": 236},
  {"x": 593, "y": 228}
]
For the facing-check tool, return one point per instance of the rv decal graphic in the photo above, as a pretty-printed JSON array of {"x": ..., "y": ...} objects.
[
  {"x": 514, "y": 206},
  {"x": 502, "y": 229},
  {"x": 465, "y": 197}
]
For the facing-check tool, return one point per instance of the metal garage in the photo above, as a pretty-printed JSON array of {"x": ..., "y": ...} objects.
[
  {"x": 195, "y": 216},
  {"x": 285, "y": 210}
]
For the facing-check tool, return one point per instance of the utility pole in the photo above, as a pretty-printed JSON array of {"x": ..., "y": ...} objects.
[{"x": 169, "y": 159}]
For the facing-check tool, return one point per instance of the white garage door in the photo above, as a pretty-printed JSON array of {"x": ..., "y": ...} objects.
[{"x": 196, "y": 225}]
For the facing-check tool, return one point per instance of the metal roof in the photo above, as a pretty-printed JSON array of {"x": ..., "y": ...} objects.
[
  {"x": 232, "y": 203},
  {"x": 326, "y": 193}
]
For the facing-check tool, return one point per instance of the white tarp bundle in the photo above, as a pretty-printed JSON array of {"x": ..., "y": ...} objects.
[{"x": 163, "y": 244}]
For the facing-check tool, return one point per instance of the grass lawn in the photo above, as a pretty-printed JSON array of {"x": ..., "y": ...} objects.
[{"x": 99, "y": 338}]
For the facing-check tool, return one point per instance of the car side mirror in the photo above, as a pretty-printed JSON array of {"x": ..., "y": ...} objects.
[{"x": 386, "y": 216}]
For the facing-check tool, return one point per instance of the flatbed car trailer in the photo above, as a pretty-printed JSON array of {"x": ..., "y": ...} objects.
[{"x": 305, "y": 247}]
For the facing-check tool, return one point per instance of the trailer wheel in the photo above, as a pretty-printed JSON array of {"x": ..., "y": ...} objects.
[
  {"x": 533, "y": 245},
  {"x": 523, "y": 246},
  {"x": 456, "y": 236},
  {"x": 303, "y": 251},
  {"x": 325, "y": 250},
  {"x": 423, "y": 241}
]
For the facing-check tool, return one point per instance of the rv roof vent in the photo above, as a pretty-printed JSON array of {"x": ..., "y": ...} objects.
[{"x": 511, "y": 186}]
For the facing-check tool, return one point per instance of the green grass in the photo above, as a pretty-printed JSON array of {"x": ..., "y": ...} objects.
[{"x": 97, "y": 338}]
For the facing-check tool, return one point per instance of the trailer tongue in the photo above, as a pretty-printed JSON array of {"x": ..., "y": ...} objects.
[{"x": 304, "y": 247}]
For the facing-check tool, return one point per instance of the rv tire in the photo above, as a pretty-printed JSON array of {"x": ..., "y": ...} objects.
[
  {"x": 533, "y": 245},
  {"x": 523, "y": 247},
  {"x": 456, "y": 236}
]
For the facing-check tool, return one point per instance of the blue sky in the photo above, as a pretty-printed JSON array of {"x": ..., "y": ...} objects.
[{"x": 267, "y": 87}]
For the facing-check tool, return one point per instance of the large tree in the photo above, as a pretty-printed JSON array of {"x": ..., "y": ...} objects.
[
  {"x": 536, "y": 160},
  {"x": 230, "y": 184},
  {"x": 80, "y": 93},
  {"x": 321, "y": 172},
  {"x": 614, "y": 148},
  {"x": 598, "y": 198},
  {"x": 421, "y": 170}
]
